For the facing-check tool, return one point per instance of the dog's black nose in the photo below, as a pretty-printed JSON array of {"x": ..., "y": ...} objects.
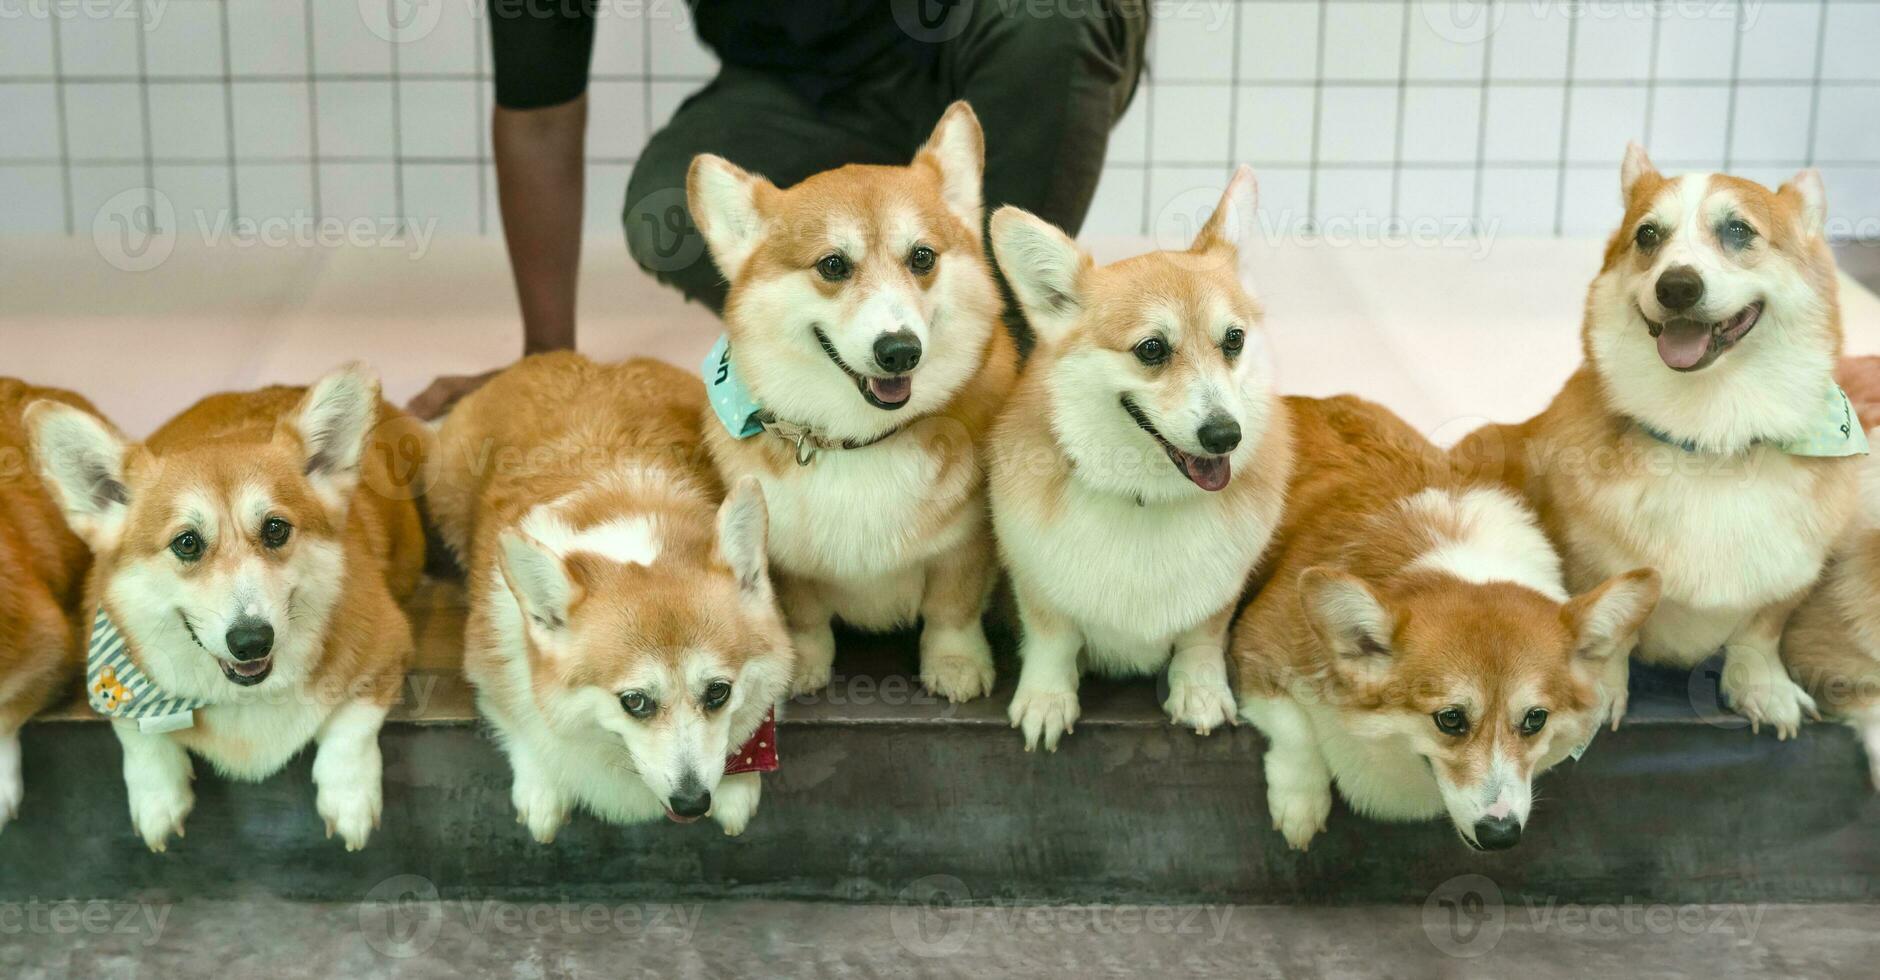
[
  {"x": 250, "y": 639},
  {"x": 1497, "y": 833},
  {"x": 691, "y": 803},
  {"x": 1680, "y": 288},
  {"x": 1219, "y": 434},
  {"x": 898, "y": 351}
]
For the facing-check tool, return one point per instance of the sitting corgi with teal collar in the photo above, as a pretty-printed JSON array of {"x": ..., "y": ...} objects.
[
  {"x": 243, "y": 601},
  {"x": 1704, "y": 436},
  {"x": 864, "y": 361}
]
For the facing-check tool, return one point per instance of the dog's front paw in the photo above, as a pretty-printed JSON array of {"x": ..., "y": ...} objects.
[
  {"x": 956, "y": 664},
  {"x": 1201, "y": 706},
  {"x": 1299, "y": 812},
  {"x": 351, "y": 809},
  {"x": 735, "y": 802},
  {"x": 1044, "y": 716},
  {"x": 538, "y": 807},
  {"x": 158, "y": 810},
  {"x": 1766, "y": 697},
  {"x": 12, "y": 786},
  {"x": 815, "y": 660}
]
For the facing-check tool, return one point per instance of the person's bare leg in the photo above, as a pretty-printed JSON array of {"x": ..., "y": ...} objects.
[{"x": 539, "y": 184}]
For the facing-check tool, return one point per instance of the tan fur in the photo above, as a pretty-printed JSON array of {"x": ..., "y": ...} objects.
[
  {"x": 42, "y": 570},
  {"x": 1609, "y": 493},
  {"x": 1498, "y": 647}
]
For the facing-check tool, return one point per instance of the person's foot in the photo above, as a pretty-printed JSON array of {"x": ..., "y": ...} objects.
[{"x": 445, "y": 392}]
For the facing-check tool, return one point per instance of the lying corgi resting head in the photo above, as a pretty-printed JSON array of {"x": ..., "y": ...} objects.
[
  {"x": 659, "y": 630},
  {"x": 860, "y": 297},
  {"x": 1715, "y": 317},
  {"x": 220, "y": 543},
  {"x": 1160, "y": 381},
  {"x": 1470, "y": 654}
]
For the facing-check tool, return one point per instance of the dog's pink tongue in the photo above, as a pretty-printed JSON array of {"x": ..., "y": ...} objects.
[
  {"x": 1683, "y": 343},
  {"x": 1208, "y": 472},
  {"x": 891, "y": 391}
]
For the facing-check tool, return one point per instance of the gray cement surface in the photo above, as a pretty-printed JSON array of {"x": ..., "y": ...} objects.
[{"x": 1463, "y": 935}]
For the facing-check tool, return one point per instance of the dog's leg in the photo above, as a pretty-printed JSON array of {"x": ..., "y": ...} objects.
[
  {"x": 955, "y": 659},
  {"x": 156, "y": 776},
  {"x": 12, "y": 786},
  {"x": 1867, "y": 723},
  {"x": 808, "y": 612},
  {"x": 1198, "y": 695},
  {"x": 1298, "y": 782},
  {"x": 540, "y": 804},
  {"x": 734, "y": 803},
  {"x": 347, "y": 771},
  {"x": 1045, "y": 705},
  {"x": 1615, "y": 686},
  {"x": 1756, "y": 683}
]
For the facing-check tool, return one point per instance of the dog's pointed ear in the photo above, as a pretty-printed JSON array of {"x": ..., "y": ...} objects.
[
  {"x": 1349, "y": 619},
  {"x": 1810, "y": 198},
  {"x": 82, "y": 460},
  {"x": 540, "y": 581},
  {"x": 1047, "y": 271},
  {"x": 1231, "y": 225},
  {"x": 725, "y": 202},
  {"x": 1637, "y": 166},
  {"x": 335, "y": 419},
  {"x": 957, "y": 149},
  {"x": 743, "y": 532},
  {"x": 1606, "y": 618}
]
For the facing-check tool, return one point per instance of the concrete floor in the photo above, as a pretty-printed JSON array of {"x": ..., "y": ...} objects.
[{"x": 385, "y": 937}]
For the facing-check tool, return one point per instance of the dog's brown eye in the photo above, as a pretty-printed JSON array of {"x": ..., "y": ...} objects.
[
  {"x": 1647, "y": 236},
  {"x": 1452, "y": 721},
  {"x": 638, "y": 704},
  {"x": 1536, "y": 720},
  {"x": 1235, "y": 340},
  {"x": 833, "y": 267},
  {"x": 186, "y": 546},
  {"x": 1153, "y": 350},
  {"x": 921, "y": 259},
  {"x": 274, "y": 532},
  {"x": 716, "y": 694},
  {"x": 1737, "y": 233}
]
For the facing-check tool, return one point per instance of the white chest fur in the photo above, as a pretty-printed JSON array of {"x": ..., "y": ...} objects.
[
  {"x": 253, "y": 739},
  {"x": 1132, "y": 576}
]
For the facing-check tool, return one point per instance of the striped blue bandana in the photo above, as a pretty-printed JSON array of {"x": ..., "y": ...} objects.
[{"x": 118, "y": 689}]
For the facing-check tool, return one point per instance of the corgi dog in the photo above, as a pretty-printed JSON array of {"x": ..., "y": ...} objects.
[
  {"x": 865, "y": 356},
  {"x": 42, "y": 576},
  {"x": 1414, "y": 642},
  {"x": 251, "y": 559},
  {"x": 1138, "y": 469},
  {"x": 623, "y": 636},
  {"x": 1704, "y": 435},
  {"x": 1832, "y": 644}
]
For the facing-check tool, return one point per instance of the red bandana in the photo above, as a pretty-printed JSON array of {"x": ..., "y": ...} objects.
[{"x": 759, "y": 754}]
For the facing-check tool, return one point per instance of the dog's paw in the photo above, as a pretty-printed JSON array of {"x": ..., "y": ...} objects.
[
  {"x": 735, "y": 802},
  {"x": 351, "y": 809},
  {"x": 1044, "y": 716},
  {"x": 158, "y": 811},
  {"x": 540, "y": 808},
  {"x": 12, "y": 786},
  {"x": 1616, "y": 704},
  {"x": 956, "y": 665},
  {"x": 1200, "y": 706},
  {"x": 815, "y": 660},
  {"x": 1766, "y": 697},
  {"x": 1299, "y": 812}
]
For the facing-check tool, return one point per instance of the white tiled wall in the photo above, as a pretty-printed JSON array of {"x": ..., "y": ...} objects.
[{"x": 1509, "y": 114}]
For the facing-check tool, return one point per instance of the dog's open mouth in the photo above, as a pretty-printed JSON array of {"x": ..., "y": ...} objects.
[
  {"x": 248, "y": 673},
  {"x": 1687, "y": 344},
  {"x": 887, "y": 394},
  {"x": 675, "y": 818},
  {"x": 1210, "y": 473}
]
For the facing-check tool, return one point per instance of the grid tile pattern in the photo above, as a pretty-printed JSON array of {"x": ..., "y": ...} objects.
[{"x": 1487, "y": 115}]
